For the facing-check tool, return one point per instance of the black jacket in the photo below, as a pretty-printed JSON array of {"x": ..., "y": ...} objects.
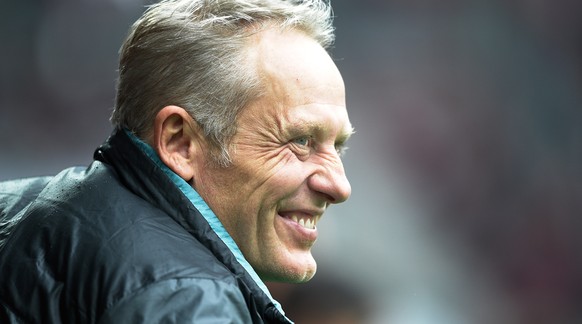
[{"x": 117, "y": 242}]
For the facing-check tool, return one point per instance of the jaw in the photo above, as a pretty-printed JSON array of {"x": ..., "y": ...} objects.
[
  {"x": 290, "y": 258},
  {"x": 302, "y": 269}
]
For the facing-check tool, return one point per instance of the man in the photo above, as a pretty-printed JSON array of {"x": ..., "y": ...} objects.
[{"x": 229, "y": 123}]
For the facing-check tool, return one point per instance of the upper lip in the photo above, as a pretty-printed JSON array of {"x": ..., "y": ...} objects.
[{"x": 303, "y": 212}]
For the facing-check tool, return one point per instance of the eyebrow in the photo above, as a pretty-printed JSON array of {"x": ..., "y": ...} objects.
[
  {"x": 315, "y": 127},
  {"x": 345, "y": 135},
  {"x": 340, "y": 142}
]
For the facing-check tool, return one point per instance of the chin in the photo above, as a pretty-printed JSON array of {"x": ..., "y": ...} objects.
[
  {"x": 305, "y": 277},
  {"x": 296, "y": 273}
]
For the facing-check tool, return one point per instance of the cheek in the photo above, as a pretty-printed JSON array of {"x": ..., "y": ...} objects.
[
  {"x": 282, "y": 191},
  {"x": 258, "y": 170},
  {"x": 259, "y": 183}
]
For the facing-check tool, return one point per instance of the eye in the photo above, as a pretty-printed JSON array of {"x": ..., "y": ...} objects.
[
  {"x": 301, "y": 146},
  {"x": 302, "y": 141}
]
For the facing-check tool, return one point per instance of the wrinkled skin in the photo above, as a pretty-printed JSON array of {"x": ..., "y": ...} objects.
[{"x": 286, "y": 166}]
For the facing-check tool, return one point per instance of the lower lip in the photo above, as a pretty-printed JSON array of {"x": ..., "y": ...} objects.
[{"x": 303, "y": 235}]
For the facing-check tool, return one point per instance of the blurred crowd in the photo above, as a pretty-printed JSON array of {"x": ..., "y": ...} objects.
[{"x": 465, "y": 167}]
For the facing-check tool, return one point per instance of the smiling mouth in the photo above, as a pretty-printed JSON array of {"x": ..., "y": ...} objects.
[{"x": 308, "y": 222}]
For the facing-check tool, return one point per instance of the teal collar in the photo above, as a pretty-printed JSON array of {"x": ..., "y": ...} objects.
[{"x": 206, "y": 212}]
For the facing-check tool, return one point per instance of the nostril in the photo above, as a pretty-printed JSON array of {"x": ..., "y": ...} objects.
[{"x": 330, "y": 199}]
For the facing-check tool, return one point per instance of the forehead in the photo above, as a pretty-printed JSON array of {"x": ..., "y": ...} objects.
[
  {"x": 295, "y": 69},
  {"x": 302, "y": 86}
]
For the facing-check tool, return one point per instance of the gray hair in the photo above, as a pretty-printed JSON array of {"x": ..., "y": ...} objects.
[{"x": 191, "y": 53}]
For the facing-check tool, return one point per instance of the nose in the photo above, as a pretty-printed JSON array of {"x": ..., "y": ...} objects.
[{"x": 331, "y": 182}]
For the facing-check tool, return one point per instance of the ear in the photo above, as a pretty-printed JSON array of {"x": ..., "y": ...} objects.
[{"x": 176, "y": 140}]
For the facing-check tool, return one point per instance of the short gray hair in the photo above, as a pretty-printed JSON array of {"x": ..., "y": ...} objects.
[{"x": 191, "y": 53}]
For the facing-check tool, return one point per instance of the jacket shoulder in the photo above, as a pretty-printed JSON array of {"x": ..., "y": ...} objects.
[
  {"x": 89, "y": 221},
  {"x": 15, "y": 196}
]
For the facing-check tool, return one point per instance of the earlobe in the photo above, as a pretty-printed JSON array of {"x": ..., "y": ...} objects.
[{"x": 175, "y": 142}]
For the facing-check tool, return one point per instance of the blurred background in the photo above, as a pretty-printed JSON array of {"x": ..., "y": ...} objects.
[{"x": 465, "y": 168}]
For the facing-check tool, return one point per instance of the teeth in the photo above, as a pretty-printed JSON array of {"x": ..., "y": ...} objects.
[{"x": 304, "y": 222}]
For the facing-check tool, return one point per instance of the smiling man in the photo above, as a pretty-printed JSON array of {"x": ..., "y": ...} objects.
[{"x": 229, "y": 125}]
